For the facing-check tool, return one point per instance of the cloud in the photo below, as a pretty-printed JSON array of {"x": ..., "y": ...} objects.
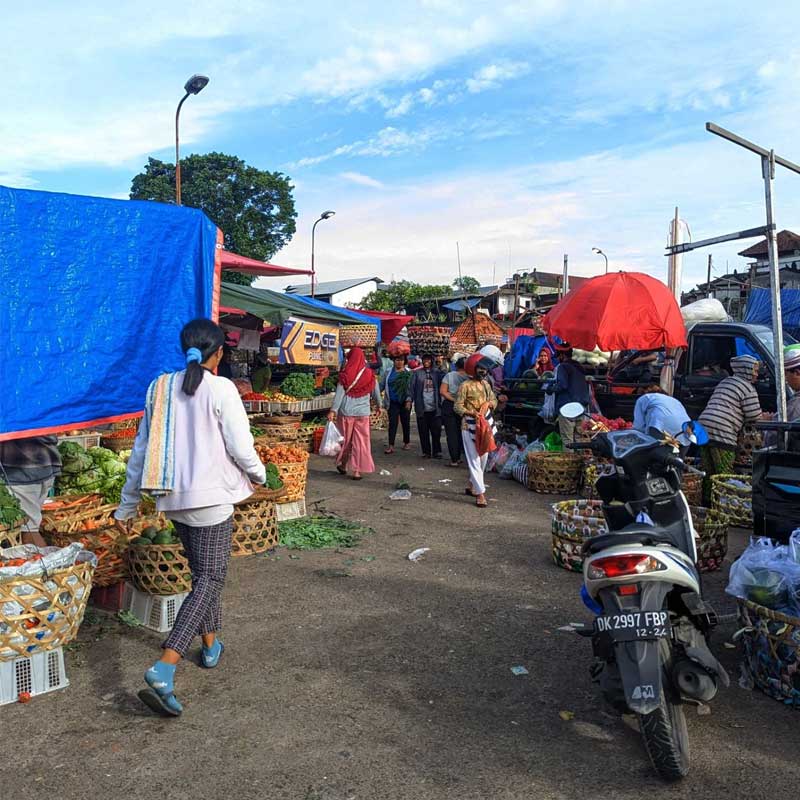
[
  {"x": 493, "y": 75},
  {"x": 361, "y": 179}
]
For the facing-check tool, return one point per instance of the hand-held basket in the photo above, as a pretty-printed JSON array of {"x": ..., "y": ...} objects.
[
  {"x": 575, "y": 521},
  {"x": 255, "y": 526},
  {"x": 159, "y": 568},
  {"x": 554, "y": 473}
]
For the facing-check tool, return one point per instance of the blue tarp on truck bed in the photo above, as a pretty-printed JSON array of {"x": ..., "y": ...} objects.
[
  {"x": 759, "y": 309},
  {"x": 94, "y": 295}
]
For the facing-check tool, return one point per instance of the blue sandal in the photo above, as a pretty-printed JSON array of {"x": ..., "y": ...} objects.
[
  {"x": 160, "y": 697},
  {"x": 209, "y": 658}
]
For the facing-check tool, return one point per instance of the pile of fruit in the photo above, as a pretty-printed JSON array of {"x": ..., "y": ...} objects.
[
  {"x": 299, "y": 384},
  {"x": 617, "y": 424},
  {"x": 96, "y": 470},
  {"x": 281, "y": 397},
  {"x": 429, "y": 339},
  {"x": 160, "y": 536},
  {"x": 254, "y": 396},
  {"x": 122, "y": 433},
  {"x": 281, "y": 454}
]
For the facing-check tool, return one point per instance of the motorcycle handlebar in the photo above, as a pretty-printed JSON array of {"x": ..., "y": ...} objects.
[{"x": 680, "y": 464}]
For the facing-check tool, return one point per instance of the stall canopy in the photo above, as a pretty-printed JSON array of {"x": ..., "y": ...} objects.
[
  {"x": 391, "y": 324},
  {"x": 276, "y": 307},
  {"x": 360, "y": 317},
  {"x": 95, "y": 293},
  {"x": 250, "y": 266},
  {"x": 759, "y": 309}
]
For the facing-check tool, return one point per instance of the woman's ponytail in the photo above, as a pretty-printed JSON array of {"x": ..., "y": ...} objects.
[{"x": 200, "y": 339}]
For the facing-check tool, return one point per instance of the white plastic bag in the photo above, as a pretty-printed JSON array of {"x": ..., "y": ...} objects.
[
  {"x": 548, "y": 412},
  {"x": 331, "y": 444}
]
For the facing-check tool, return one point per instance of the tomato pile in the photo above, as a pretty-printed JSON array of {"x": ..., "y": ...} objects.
[
  {"x": 253, "y": 396},
  {"x": 122, "y": 433},
  {"x": 617, "y": 424},
  {"x": 282, "y": 454}
]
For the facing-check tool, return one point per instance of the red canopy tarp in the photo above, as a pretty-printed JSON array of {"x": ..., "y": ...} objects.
[
  {"x": 249, "y": 266},
  {"x": 391, "y": 324},
  {"x": 619, "y": 311}
]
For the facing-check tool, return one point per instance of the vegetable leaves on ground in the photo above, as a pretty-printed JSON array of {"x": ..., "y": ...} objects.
[{"x": 312, "y": 533}]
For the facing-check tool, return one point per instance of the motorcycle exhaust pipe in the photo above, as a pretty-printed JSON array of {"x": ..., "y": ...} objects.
[{"x": 694, "y": 681}]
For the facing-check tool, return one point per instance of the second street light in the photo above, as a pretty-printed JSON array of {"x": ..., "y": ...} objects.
[
  {"x": 322, "y": 216},
  {"x": 599, "y": 252},
  {"x": 194, "y": 85}
]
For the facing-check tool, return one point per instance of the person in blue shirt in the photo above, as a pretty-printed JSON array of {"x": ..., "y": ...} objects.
[
  {"x": 570, "y": 387},
  {"x": 656, "y": 409},
  {"x": 396, "y": 399}
]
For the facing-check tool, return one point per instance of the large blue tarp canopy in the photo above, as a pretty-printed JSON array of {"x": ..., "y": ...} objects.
[
  {"x": 321, "y": 305},
  {"x": 95, "y": 293},
  {"x": 759, "y": 309}
]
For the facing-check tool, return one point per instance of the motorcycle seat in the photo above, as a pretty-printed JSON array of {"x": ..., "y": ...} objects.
[{"x": 630, "y": 534}]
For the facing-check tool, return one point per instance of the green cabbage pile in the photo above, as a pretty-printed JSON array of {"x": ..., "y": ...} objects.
[{"x": 97, "y": 470}]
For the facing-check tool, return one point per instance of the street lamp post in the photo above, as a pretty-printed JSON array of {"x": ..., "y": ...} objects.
[
  {"x": 599, "y": 252},
  {"x": 194, "y": 85},
  {"x": 322, "y": 216}
]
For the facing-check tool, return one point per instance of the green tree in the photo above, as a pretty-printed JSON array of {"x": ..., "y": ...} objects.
[
  {"x": 467, "y": 284},
  {"x": 399, "y": 294},
  {"x": 253, "y": 207}
]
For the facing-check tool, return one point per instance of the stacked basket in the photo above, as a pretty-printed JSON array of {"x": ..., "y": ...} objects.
[
  {"x": 255, "y": 523},
  {"x": 733, "y": 496},
  {"x": 711, "y": 527},
  {"x": 429, "y": 339},
  {"x": 575, "y": 521},
  {"x": 358, "y": 335},
  {"x": 554, "y": 473}
]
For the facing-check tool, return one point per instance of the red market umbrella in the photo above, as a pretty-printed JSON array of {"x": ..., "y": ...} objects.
[{"x": 620, "y": 311}]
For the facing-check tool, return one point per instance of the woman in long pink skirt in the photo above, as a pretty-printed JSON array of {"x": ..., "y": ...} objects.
[{"x": 351, "y": 410}]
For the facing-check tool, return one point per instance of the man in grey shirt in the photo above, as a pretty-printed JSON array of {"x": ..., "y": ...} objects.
[{"x": 427, "y": 403}]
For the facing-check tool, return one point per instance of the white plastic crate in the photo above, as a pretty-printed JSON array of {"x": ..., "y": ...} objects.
[
  {"x": 287, "y": 511},
  {"x": 37, "y": 674},
  {"x": 85, "y": 440},
  {"x": 155, "y": 611}
]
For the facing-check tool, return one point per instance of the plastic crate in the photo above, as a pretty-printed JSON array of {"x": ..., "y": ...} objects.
[
  {"x": 36, "y": 674},
  {"x": 287, "y": 511},
  {"x": 155, "y": 611},
  {"x": 85, "y": 440},
  {"x": 108, "y": 598}
]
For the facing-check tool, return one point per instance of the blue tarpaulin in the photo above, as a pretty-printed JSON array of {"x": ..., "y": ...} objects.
[
  {"x": 95, "y": 293},
  {"x": 524, "y": 353},
  {"x": 321, "y": 305},
  {"x": 759, "y": 309},
  {"x": 462, "y": 305}
]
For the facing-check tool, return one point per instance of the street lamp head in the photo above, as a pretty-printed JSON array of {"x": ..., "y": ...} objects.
[
  {"x": 597, "y": 250},
  {"x": 327, "y": 214},
  {"x": 195, "y": 84}
]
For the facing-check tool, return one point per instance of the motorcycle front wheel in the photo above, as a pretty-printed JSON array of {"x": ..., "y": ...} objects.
[{"x": 666, "y": 739}]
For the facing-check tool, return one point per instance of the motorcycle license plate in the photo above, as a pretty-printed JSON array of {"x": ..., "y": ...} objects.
[{"x": 634, "y": 626}]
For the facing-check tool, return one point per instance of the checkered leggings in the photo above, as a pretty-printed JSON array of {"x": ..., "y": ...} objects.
[{"x": 208, "y": 550}]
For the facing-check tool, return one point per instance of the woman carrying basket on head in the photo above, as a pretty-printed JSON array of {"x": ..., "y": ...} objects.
[
  {"x": 194, "y": 453},
  {"x": 351, "y": 410}
]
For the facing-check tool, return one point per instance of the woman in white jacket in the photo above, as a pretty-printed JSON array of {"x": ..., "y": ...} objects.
[{"x": 194, "y": 453}]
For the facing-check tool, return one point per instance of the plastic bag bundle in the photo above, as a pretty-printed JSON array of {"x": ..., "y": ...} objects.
[
  {"x": 767, "y": 574},
  {"x": 331, "y": 444},
  {"x": 497, "y": 459}
]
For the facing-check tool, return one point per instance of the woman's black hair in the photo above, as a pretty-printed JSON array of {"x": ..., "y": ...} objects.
[
  {"x": 205, "y": 336},
  {"x": 404, "y": 356}
]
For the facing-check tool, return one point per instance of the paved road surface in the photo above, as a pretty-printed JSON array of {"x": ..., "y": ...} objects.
[{"x": 352, "y": 677}]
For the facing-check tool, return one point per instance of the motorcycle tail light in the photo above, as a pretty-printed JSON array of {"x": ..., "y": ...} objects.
[
  {"x": 628, "y": 588},
  {"x": 623, "y": 565}
]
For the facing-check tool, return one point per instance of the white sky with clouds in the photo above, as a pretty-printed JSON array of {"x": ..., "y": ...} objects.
[{"x": 523, "y": 130}]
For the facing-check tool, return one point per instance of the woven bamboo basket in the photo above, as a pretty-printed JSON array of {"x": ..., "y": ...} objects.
[
  {"x": 736, "y": 503},
  {"x": 108, "y": 544},
  {"x": 10, "y": 535},
  {"x": 279, "y": 434},
  {"x": 575, "y": 521},
  {"x": 305, "y": 438},
  {"x": 712, "y": 529},
  {"x": 159, "y": 568},
  {"x": 48, "y": 610},
  {"x": 771, "y": 643},
  {"x": 294, "y": 476},
  {"x": 554, "y": 473},
  {"x": 255, "y": 526},
  {"x": 81, "y": 520},
  {"x": 692, "y": 488},
  {"x": 358, "y": 335},
  {"x": 276, "y": 419},
  {"x": 118, "y": 444},
  {"x": 378, "y": 418},
  {"x": 749, "y": 439},
  {"x": 133, "y": 424},
  {"x": 51, "y": 517}
]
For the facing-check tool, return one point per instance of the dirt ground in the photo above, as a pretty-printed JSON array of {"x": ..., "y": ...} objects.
[{"x": 359, "y": 674}]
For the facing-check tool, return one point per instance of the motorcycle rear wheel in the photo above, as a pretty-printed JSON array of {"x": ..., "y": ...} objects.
[{"x": 666, "y": 739}]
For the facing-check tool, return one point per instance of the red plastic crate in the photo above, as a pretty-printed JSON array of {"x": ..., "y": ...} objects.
[{"x": 108, "y": 598}]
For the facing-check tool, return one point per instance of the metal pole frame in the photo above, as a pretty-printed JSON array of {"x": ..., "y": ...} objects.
[{"x": 178, "y": 152}]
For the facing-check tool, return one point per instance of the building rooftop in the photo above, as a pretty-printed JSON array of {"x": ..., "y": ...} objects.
[
  {"x": 328, "y": 287},
  {"x": 788, "y": 242}
]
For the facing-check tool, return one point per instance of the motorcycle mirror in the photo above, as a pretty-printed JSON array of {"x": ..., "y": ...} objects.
[
  {"x": 695, "y": 433},
  {"x": 572, "y": 410}
]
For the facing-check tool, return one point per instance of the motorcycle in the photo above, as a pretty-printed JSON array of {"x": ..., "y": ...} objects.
[{"x": 652, "y": 625}]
